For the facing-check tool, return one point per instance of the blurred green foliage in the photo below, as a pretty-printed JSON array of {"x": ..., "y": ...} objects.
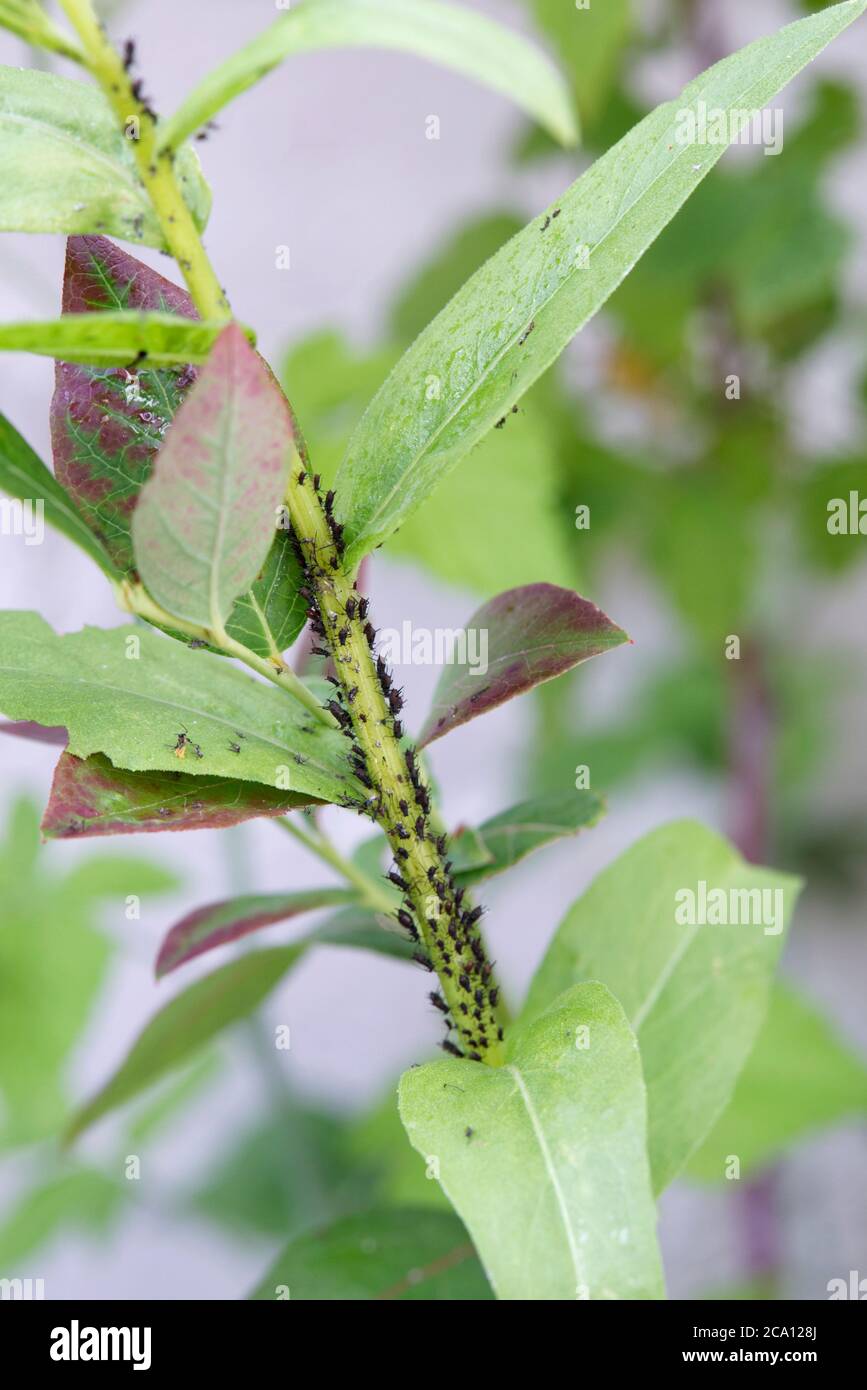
[{"x": 720, "y": 509}]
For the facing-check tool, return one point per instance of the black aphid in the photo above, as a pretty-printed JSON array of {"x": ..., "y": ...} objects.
[
  {"x": 398, "y": 882},
  {"x": 339, "y": 713},
  {"x": 450, "y": 1048},
  {"x": 464, "y": 981},
  {"x": 350, "y": 608},
  {"x": 438, "y": 1002},
  {"x": 421, "y": 959},
  {"x": 405, "y": 920},
  {"x": 370, "y": 633},
  {"x": 470, "y": 918},
  {"x": 363, "y": 607},
  {"x": 493, "y": 996},
  {"x": 329, "y": 501}
]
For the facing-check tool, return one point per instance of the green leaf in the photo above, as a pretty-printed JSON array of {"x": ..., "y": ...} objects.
[
  {"x": 183, "y": 1026},
  {"x": 66, "y": 166},
  {"x": 378, "y": 1144},
  {"x": 515, "y": 316},
  {"x": 588, "y": 42},
  {"x": 25, "y": 476},
  {"x": 133, "y": 709},
  {"x": 53, "y": 964},
  {"x": 270, "y": 617},
  {"x": 517, "y": 641},
  {"x": 695, "y": 994},
  {"x": 444, "y": 273},
  {"x": 214, "y": 925},
  {"x": 395, "y": 1254},
  {"x": 91, "y": 797},
  {"x": 458, "y": 533},
  {"x": 114, "y": 339},
  {"x": 829, "y": 516},
  {"x": 28, "y": 20},
  {"x": 449, "y": 34},
  {"x": 800, "y": 1077},
  {"x": 206, "y": 518},
  {"x": 544, "y": 1158},
  {"x": 287, "y": 1174},
  {"x": 80, "y": 1201},
  {"x": 510, "y": 836}
]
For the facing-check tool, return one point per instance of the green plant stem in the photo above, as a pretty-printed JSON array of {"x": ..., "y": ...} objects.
[
  {"x": 134, "y": 598},
  {"x": 453, "y": 948},
  {"x": 156, "y": 167},
  {"x": 452, "y": 944},
  {"x": 374, "y": 897}
]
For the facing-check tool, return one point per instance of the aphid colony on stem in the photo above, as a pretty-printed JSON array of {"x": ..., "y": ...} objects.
[{"x": 366, "y": 708}]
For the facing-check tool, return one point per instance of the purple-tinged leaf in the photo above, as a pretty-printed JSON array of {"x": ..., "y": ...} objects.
[
  {"x": 107, "y": 423},
  {"x": 520, "y": 639},
  {"x": 37, "y": 733},
  {"x": 218, "y": 923},
  {"x": 90, "y": 796},
  {"x": 207, "y": 517}
]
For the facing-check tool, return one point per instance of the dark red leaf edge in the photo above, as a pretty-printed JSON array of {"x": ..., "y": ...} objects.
[
  {"x": 216, "y": 924},
  {"x": 92, "y": 797},
  {"x": 535, "y": 633}
]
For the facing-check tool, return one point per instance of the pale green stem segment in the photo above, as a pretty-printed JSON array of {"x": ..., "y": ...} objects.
[
  {"x": 155, "y": 166},
  {"x": 418, "y": 857},
  {"x": 317, "y": 843},
  {"x": 134, "y": 598}
]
